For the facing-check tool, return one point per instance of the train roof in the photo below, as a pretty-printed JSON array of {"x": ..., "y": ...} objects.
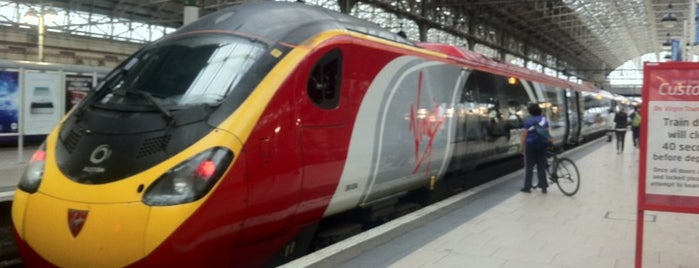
[
  {"x": 286, "y": 22},
  {"x": 483, "y": 63},
  {"x": 292, "y": 23}
]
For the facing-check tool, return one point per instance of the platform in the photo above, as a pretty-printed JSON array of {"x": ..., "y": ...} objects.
[
  {"x": 12, "y": 163},
  {"x": 495, "y": 225}
]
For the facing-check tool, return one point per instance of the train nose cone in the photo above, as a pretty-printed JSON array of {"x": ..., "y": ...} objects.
[{"x": 71, "y": 234}]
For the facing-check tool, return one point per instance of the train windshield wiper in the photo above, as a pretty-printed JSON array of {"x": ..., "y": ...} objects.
[
  {"x": 95, "y": 93},
  {"x": 166, "y": 114}
]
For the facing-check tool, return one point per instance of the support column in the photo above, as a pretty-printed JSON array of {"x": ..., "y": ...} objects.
[
  {"x": 422, "y": 28},
  {"x": 525, "y": 54},
  {"x": 42, "y": 34},
  {"x": 346, "y": 5},
  {"x": 502, "y": 53},
  {"x": 472, "y": 31},
  {"x": 191, "y": 11}
]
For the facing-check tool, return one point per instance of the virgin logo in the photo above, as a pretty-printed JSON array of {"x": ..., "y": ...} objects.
[
  {"x": 424, "y": 124},
  {"x": 76, "y": 221}
]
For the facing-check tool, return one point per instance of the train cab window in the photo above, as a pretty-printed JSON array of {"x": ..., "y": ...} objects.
[
  {"x": 324, "y": 82},
  {"x": 181, "y": 72}
]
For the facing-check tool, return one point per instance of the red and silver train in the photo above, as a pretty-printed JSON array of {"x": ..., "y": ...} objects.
[{"x": 229, "y": 141}]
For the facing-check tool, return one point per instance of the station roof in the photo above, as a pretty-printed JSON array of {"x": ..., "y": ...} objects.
[{"x": 582, "y": 35}]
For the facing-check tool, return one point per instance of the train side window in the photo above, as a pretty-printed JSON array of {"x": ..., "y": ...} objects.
[
  {"x": 323, "y": 85},
  {"x": 470, "y": 89},
  {"x": 514, "y": 98},
  {"x": 477, "y": 87}
]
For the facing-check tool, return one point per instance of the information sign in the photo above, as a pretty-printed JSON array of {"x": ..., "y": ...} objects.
[
  {"x": 671, "y": 156},
  {"x": 669, "y": 161}
]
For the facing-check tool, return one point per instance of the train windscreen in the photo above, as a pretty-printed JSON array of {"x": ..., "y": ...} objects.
[{"x": 182, "y": 72}]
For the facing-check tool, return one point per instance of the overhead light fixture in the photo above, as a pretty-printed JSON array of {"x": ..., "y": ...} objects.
[
  {"x": 667, "y": 44},
  {"x": 32, "y": 16},
  {"x": 669, "y": 20}
]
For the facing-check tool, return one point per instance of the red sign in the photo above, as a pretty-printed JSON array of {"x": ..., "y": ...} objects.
[
  {"x": 669, "y": 168},
  {"x": 669, "y": 162},
  {"x": 670, "y": 85}
]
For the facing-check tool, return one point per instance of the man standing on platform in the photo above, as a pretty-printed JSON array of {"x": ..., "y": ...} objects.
[
  {"x": 534, "y": 149},
  {"x": 621, "y": 119}
]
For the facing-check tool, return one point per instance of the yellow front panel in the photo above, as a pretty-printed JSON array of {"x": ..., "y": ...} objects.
[
  {"x": 18, "y": 205},
  {"x": 119, "y": 228},
  {"x": 112, "y": 235}
]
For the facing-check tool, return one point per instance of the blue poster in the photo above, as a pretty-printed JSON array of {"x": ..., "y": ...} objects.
[{"x": 9, "y": 86}]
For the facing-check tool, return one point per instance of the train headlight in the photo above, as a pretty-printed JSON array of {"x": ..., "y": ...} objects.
[
  {"x": 34, "y": 171},
  {"x": 190, "y": 180}
]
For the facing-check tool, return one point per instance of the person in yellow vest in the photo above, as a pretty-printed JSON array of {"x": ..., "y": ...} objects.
[{"x": 636, "y": 127}]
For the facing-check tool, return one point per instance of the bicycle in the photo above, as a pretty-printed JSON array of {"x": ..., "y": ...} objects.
[{"x": 566, "y": 174}]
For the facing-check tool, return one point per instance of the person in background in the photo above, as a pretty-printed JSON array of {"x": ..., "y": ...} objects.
[
  {"x": 636, "y": 127},
  {"x": 621, "y": 121},
  {"x": 534, "y": 154},
  {"x": 610, "y": 125}
]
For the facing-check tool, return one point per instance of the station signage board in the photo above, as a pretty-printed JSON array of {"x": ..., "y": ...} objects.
[
  {"x": 670, "y": 157},
  {"x": 669, "y": 161}
]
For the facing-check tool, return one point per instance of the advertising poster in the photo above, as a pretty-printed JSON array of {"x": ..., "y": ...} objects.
[
  {"x": 41, "y": 102},
  {"x": 9, "y": 96},
  {"x": 77, "y": 87},
  {"x": 671, "y": 172}
]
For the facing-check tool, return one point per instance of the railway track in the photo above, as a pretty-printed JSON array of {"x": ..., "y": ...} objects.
[{"x": 9, "y": 256}]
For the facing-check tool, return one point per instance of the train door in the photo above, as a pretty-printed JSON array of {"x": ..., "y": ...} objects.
[
  {"x": 323, "y": 99},
  {"x": 513, "y": 99},
  {"x": 472, "y": 126},
  {"x": 490, "y": 120},
  {"x": 573, "y": 116},
  {"x": 552, "y": 101},
  {"x": 594, "y": 114}
]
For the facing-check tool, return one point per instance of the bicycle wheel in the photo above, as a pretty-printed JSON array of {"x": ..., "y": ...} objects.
[{"x": 567, "y": 176}]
